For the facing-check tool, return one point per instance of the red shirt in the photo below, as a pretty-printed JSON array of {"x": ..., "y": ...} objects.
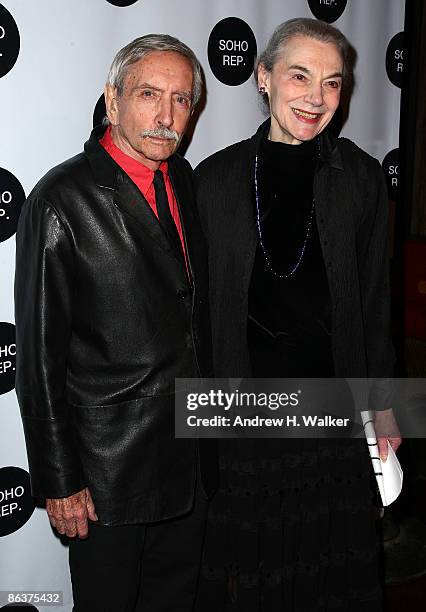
[{"x": 143, "y": 178}]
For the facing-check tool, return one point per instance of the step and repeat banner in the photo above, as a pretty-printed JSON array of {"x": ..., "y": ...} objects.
[{"x": 54, "y": 57}]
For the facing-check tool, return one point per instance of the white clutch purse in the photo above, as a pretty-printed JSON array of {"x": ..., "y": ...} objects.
[{"x": 389, "y": 474}]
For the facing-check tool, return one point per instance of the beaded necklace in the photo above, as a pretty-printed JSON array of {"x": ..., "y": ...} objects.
[{"x": 268, "y": 259}]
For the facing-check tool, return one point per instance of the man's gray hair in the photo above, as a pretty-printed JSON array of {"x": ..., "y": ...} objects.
[
  {"x": 142, "y": 46},
  {"x": 312, "y": 28}
]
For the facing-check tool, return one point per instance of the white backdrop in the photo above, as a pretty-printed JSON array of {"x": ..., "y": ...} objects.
[{"x": 47, "y": 102}]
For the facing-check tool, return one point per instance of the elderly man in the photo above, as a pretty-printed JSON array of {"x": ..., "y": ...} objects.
[{"x": 111, "y": 307}]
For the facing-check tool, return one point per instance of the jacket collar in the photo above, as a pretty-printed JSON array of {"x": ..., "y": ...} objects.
[
  {"x": 109, "y": 175},
  {"x": 329, "y": 151},
  {"x": 105, "y": 170}
]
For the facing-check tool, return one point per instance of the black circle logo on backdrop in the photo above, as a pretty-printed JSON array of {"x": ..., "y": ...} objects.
[
  {"x": 396, "y": 56},
  {"x": 7, "y": 357},
  {"x": 100, "y": 111},
  {"x": 327, "y": 10},
  {"x": 390, "y": 167},
  {"x": 12, "y": 196},
  {"x": 9, "y": 41},
  {"x": 122, "y": 2},
  {"x": 232, "y": 50},
  {"x": 16, "y": 503},
  {"x": 22, "y": 608}
]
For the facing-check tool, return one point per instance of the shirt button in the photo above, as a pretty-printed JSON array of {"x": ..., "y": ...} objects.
[{"x": 182, "y": 293}]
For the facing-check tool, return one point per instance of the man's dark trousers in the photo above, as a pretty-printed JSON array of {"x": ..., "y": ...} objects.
[{"x": 140, "y": 568}]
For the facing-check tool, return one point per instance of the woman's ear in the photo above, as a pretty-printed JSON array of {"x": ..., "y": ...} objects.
[{"x": 263, "y": 78}]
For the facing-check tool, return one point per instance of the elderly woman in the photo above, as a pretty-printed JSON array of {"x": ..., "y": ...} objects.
[{"x": 296, "y": 224}]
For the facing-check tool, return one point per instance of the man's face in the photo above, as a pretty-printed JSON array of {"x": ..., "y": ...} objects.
[
  {"x": 157, "y": 96},
  {"x": 303, "y": 89}
]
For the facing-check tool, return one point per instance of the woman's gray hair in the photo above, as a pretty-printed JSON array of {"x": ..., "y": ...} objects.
[
  {"x": 142, "y": 46},
  {"x": 312, "y": 28}
]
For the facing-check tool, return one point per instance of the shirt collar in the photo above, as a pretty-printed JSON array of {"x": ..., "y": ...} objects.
[
  {"x": 134, "y": 168},
  {"x": 329, "y": 151}
]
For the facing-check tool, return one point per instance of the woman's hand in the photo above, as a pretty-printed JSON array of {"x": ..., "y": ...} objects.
[{"x": 386, "y": 430}]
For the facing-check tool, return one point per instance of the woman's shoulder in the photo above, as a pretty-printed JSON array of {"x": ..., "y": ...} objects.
[
  {"x": 224, "y": 160},
  {"x": 364, "y": 177},
  {"x": 355, "y": 158}
]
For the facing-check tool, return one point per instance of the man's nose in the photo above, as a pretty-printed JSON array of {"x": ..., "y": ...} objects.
[{"x": 165, "y": 112}]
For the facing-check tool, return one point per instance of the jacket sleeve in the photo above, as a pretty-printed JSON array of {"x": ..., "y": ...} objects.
[
  {"x": 205, "y": 194},
  {"x": 373, "y": 262},
  {"x": 43, "y": 312}
]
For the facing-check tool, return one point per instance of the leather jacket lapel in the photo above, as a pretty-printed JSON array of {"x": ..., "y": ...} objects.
[
  {"x": 186, "y": 206},
  {"x": 127, "y": 197}
]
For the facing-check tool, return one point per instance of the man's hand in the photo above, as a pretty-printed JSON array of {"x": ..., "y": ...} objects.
[
  {"x": 69, "y": 515},
  {"x": 386, "y": 429}
]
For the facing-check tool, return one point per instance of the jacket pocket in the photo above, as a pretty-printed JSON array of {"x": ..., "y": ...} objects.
[{"x": 117, "y": 442}]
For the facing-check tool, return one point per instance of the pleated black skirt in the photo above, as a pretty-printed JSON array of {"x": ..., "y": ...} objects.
[{"x": 293, "y": 528}]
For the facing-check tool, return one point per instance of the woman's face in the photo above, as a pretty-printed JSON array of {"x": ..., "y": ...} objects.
[{"x": 303, "y": 89}]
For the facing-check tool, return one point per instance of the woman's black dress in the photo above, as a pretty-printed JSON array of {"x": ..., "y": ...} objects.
[{"x": 293, "y": 525}]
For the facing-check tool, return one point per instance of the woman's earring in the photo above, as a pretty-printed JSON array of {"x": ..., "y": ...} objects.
[{"x": 262, "y": 91}]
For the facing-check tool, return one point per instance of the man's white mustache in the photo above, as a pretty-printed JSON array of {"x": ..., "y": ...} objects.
[{"x": 161, "y": 132}]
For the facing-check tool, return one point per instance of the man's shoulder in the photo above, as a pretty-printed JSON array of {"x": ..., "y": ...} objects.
[
  {"x": 182, "y": 176},
  {"x": 72, "y": 173},
  {"x": 223, "y": 160},
  {"x": 68, "y": 174},
  {"x": 180, "y": 161}
]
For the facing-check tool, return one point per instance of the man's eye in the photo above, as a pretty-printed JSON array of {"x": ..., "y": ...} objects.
[
  {"x": 333, "y": 84},
  {"x": 183, "y": 100},
  {"x": 299, "y": 77}
]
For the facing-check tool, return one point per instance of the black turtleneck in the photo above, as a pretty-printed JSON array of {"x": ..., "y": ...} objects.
[{"x": 289, "y": 319}]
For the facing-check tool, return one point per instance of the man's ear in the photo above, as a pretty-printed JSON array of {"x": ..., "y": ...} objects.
[{"x": 111, "y": 105}]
